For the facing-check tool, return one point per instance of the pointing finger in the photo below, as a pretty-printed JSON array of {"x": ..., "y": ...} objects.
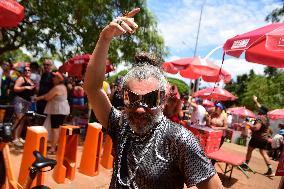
[{"x": 133, "y": 13}]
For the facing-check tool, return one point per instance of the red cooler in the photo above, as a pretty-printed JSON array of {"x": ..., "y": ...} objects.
[{"x": 209, "y": 138}]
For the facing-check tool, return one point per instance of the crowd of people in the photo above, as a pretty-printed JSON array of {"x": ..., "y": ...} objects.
[{"x": 55, "y": 94}]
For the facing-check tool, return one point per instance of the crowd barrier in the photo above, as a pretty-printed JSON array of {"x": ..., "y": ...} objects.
[
  {"x": 66, "y": 153},
  {"x": 90, "y": 159},
  {"x": 36, "y": 139}
]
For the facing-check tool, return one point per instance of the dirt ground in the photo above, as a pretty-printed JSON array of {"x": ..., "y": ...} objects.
[{"x": 238, "y": 180}]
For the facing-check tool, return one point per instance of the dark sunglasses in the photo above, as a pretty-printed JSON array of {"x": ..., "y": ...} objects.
[
  {"x": 152, "y": 99},
  {"x": 27, "y": 70}
]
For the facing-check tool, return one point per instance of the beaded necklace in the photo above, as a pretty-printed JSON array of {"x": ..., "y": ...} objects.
[{"x": 128, "y": 133}]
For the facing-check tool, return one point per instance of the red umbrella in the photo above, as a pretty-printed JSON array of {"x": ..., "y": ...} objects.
[
  {"x": 77, "y": 65},
  {"x": 207, "y": 103},
  {"x": 11, "y": 13},
  {"x": 263, "y": 46},
  {"x": 241, "y": 111},
  {"x": 194, "y": 68},
  {"x": 217, "y": 93},
  {"x": 276, "y": 114}
]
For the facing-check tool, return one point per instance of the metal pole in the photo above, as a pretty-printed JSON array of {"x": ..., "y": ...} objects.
[{"x": 196, "y": 43}]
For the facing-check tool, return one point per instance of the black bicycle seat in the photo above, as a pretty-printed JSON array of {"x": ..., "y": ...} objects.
[{"x": 42, "y": 162}]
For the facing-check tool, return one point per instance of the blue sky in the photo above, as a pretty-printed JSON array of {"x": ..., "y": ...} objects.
[{"x": 221, "y": 19}]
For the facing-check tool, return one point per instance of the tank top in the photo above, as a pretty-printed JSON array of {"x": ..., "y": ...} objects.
[{"x": 26, "y": 94}]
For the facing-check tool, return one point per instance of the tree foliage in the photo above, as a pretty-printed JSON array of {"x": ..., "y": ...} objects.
[
  {"x": 181, "y": 85},
  {"x": 268, "y": 88},
  {"x": 277, "y": 15},
  {"x": 69, "y": 27}
]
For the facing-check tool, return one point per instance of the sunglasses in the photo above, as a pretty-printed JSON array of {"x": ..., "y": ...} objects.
[
  {"x": 152, "y": 99},
  {"x": 27, "y": 70}
]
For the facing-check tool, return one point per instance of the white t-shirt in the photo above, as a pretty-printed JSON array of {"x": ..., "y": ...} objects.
[{"x": 198, "y": 115}]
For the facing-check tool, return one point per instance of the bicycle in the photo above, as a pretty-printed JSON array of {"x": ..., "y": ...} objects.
[{"x": 37, "y": 166}]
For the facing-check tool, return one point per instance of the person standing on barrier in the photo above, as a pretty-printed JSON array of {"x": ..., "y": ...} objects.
[{"x": 150, "y": 151}]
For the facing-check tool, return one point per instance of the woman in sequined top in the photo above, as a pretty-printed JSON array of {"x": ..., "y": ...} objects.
[{"x": 149, "y": 150}]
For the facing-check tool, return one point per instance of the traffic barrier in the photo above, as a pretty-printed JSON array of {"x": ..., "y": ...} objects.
[
  {"x": 92, "y": 149},
  {"x": 107, "y": 158},
  {"x": 36, "y": 139},
  {"x": 66, "y": 153}
]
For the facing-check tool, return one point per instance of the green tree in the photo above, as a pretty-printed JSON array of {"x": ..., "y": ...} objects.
[
  {"x": 181, "y": 85},
  {"x": 277, "y": 14},
  {"x": 68, "y": 27},
  {"x": 270, "y": 72},
  {"x": 269, "y": 89},
  {"x": 15, "y": 56}
]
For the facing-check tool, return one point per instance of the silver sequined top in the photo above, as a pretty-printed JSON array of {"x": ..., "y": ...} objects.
[{"x": 167, "y": 157}]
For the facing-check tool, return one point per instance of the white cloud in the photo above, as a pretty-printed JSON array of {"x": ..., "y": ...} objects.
[
  {"x": 220, "y": 20},
  {"x": 240, "y": 66}
]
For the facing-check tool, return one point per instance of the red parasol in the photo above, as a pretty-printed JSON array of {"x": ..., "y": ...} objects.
[
  {"x": 194, "y": 68},
  {"x": 218, "y": 94},
  {"x": 276, "y": 114},
  {"x": 77, "y": 65},
  {"x": 11, "y": 13},
  {"x": 241, "y": 111},
  {"x": 264, "y": 45},
  {"x": 208, "y": 103}
]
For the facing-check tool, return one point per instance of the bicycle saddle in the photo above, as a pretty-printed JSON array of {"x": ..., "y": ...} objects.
[{"x": 42, "y": 162}]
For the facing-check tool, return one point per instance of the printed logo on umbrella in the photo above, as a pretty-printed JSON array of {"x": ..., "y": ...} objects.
[
  {"x": 281, "y": 42},
  {"x": 240, "y": 43}
]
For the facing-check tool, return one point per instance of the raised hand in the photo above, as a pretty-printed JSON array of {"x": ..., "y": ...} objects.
[
  {"x": 254, "y": 98},
  {"x": 121, "y": 25}
]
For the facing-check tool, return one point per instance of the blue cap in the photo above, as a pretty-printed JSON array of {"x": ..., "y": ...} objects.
[
  {"x": 281, "y": 131},
  {"x": 219, "y": 105}
]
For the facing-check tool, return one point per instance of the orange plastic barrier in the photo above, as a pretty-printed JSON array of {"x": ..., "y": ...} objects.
[
  {"x": 36, "y": 139},
  {"x": 107, "y": 158},
  {"x": 66, "y": 153},
  {"x": 92, "y": 149},
  {"x": 12, "y": 182}
]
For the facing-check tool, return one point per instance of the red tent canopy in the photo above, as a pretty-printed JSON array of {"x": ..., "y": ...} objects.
[
  {"x": 11, "y": 13},
  {"x": 264, "y": 45}
]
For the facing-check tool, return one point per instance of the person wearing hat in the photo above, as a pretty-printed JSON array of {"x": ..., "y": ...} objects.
[
  {"x": 259, "y": 139},
  {"x": 218, "y": 120},
  {"x": 198, "y": 113},
  {"x": 57, "y": 107}
]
